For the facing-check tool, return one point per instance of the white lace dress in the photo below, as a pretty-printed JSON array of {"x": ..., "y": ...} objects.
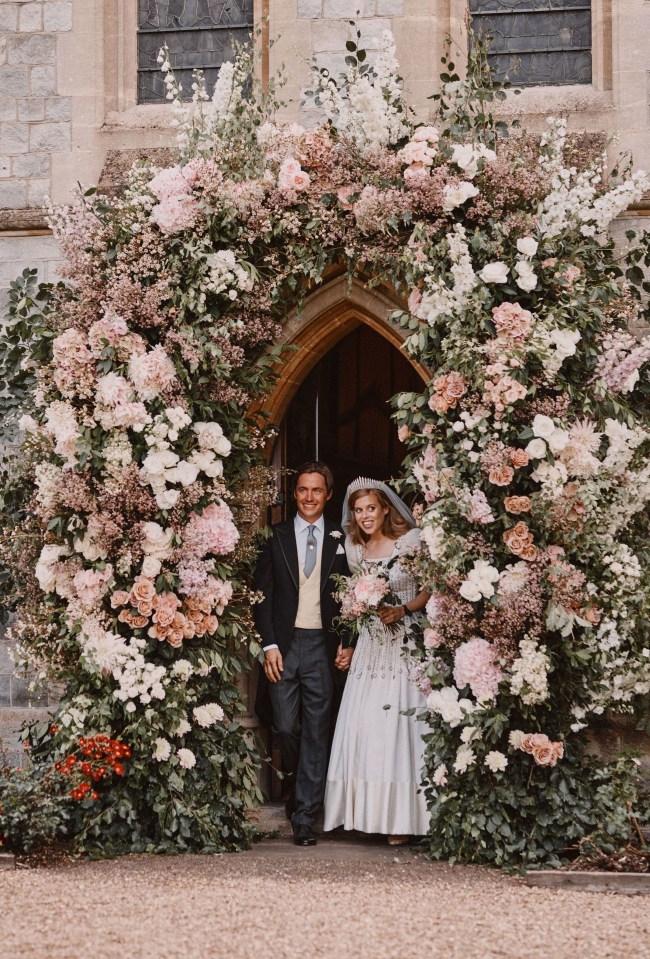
[{"x": 375, "y": 769}]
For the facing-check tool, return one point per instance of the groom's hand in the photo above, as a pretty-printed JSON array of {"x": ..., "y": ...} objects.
[{"x": 273, "y": 665}]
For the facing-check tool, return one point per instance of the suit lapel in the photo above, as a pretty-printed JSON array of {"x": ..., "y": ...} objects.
[
  {"x": 330, "y": 544},
  {"x": 287, "y": 540}
]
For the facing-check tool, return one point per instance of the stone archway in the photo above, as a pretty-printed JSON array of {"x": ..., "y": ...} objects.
[{"x": 330, "y": 313}]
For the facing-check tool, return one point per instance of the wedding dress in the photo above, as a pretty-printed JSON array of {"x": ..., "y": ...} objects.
[{"x": 375, "y": 770}]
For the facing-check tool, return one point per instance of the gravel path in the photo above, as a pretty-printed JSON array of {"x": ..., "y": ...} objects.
[{"x": 340, "y": 899}]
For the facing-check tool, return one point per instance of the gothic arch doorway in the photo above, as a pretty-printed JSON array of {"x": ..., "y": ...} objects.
[{"x": 341, "y": 413}]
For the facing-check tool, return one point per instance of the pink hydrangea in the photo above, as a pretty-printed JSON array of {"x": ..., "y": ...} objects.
[
  {"x": 152, "y": 373},
  {"x": 177, "y": 209},
  {"x": 474, "y": 666},
  {"x": 480, "y": 511},
  {"x": 90, "y": 585},
  {"x": 106, "y": 332},
  {"x": 512, "y": 322},
  {"x": 212, "y": 531}
]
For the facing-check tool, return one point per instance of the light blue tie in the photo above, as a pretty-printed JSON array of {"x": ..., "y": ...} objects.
[{"x": 310, "y": 552}]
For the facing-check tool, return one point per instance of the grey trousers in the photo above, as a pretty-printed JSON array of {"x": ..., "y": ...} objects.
[{"x": 302, "y": 705}]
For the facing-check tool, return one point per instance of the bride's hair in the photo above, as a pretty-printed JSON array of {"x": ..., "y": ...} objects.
[{"x": 394, "y": 524}]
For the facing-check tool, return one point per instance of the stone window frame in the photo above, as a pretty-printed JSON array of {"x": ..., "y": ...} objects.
[
  {"x": 569, "y": 97},
  {"x": 121, "y": 107}
]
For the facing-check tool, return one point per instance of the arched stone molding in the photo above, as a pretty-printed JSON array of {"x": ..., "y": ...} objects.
[{"x": 332, "y": 311}]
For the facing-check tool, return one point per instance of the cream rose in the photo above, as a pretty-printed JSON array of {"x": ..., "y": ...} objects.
[
  {"x": 536, "y": 449},
  {"x": 496, "y": 272}
]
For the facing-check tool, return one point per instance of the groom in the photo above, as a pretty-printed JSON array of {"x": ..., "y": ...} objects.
[{"x": 294, "y": 620}]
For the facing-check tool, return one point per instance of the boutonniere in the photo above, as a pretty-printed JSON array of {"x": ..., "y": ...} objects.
[{"x": 336, "y": 533}]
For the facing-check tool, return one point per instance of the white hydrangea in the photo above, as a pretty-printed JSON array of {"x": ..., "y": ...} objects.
[{"x": 529, "y": 673}]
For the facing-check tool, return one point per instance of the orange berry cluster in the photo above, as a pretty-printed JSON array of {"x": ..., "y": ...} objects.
[{"x": 95, "y": 759}]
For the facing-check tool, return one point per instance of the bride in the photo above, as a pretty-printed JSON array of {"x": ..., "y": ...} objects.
[{"x": 375, "y": 770}]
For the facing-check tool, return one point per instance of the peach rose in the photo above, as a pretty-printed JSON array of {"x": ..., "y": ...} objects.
[
  {"x": 529, "y": 552},
  {"x": 119, "y": 598},
  {"x": 545, "y": 755},
  {"x": 517, "y": 504},
  {"x": 519, "y": 458},
  {"x": 558, "y": 749},
  {"x": 532, "y": 741},
  {"x": 175, "y": 638},
  {"x": 211, "y": 624},
  {"x": 591, "y": 614},
  {"x": 124, "y": 616},
  {"x": 144, "y": 609},
  {"x": 143, "y": 590},
  {"x": 139, "y": 622},
  {"x": 554, "y": 552},
  {"x": 501, "y": 475},
  {"x": 438, "y": 404}
]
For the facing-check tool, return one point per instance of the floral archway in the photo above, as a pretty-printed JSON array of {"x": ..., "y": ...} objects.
[{"x": 129, "y": 524}]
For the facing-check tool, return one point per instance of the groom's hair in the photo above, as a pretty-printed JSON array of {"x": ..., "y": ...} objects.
[{"x": 315, "y": 466}]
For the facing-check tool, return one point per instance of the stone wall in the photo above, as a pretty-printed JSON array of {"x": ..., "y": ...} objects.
[{"x": 35, "y": 121}]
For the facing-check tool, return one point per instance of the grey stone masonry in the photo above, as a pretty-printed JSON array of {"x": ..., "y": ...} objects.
[
  {"x": 18, "y": 704},
  {"x": 347, "y": 10},
  {"x": 329, "y": 26},
  {"x": 34, "y": 121}
]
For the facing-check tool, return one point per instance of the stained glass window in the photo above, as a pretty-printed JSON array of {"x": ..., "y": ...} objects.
[
  {"x": 536, "y": 42},
  {"x": 199, "y": 34}
]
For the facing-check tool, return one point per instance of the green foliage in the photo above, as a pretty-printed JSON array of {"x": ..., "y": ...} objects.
[{"x": 34, "y": 810}]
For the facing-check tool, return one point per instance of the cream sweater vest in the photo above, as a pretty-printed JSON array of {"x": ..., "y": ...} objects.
[{"x": 308, "y": 615}]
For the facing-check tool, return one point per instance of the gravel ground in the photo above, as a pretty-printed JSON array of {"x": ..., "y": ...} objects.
[{"x": 341, "y": 898}]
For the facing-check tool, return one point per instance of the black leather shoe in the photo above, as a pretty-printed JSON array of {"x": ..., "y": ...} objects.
[{"x": 304, "y": 835}]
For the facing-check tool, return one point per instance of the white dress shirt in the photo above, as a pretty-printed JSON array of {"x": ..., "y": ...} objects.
[{"x": 301, "y": 528}]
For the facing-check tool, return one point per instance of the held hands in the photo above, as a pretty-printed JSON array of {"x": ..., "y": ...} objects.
[
  {"x": 273, "y": 665},
  {"x": 343, "y": 658},
  {"x": 391, "y": 614}
]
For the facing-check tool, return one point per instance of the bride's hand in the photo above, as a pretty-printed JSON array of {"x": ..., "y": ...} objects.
[
  {"x": 343, "y": 658},
  {"x": 390, "y": 614}
]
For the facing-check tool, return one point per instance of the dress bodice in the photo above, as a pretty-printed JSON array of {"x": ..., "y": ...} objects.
[{"x": 402, "y": 583}]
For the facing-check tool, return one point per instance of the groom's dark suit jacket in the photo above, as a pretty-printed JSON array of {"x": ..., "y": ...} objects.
[{"x": 277, "y": 577}]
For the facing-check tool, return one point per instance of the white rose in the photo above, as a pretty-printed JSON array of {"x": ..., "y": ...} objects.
[
  {"x": 496, "y": 272},
  {"x": 470, "y": 591},
  {"x": 162, "y": 750},
  {"x": 151, "y": 566},
  {"x": 527, "y": 246},
  {"x": 130, "y": 707},
  {"x": 465, "y": 157},
  {"x": 454, "y": 196},
  {"x": 526, "y": 278},
  {"x": 565, "y": 341},
  {"x": 558, "y": 440},
  {"x": 182, "y": 668},
  {"x": 543, "y": 426},
  {"x": 160, "y": 460},
  {"x": 156, "y": 541},
  {"x": 185, "y": 473},
  {"x": 536, "y": 449},
  {"x": 167, "y": 498}
]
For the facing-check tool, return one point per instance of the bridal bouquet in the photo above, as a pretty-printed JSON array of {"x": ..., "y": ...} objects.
[{"x": 361, "y": 596}]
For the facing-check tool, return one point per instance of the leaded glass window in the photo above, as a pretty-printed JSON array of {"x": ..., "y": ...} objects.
[
  {"x": 536, "y": 42},
  {"x": 199, "y": 34}
]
